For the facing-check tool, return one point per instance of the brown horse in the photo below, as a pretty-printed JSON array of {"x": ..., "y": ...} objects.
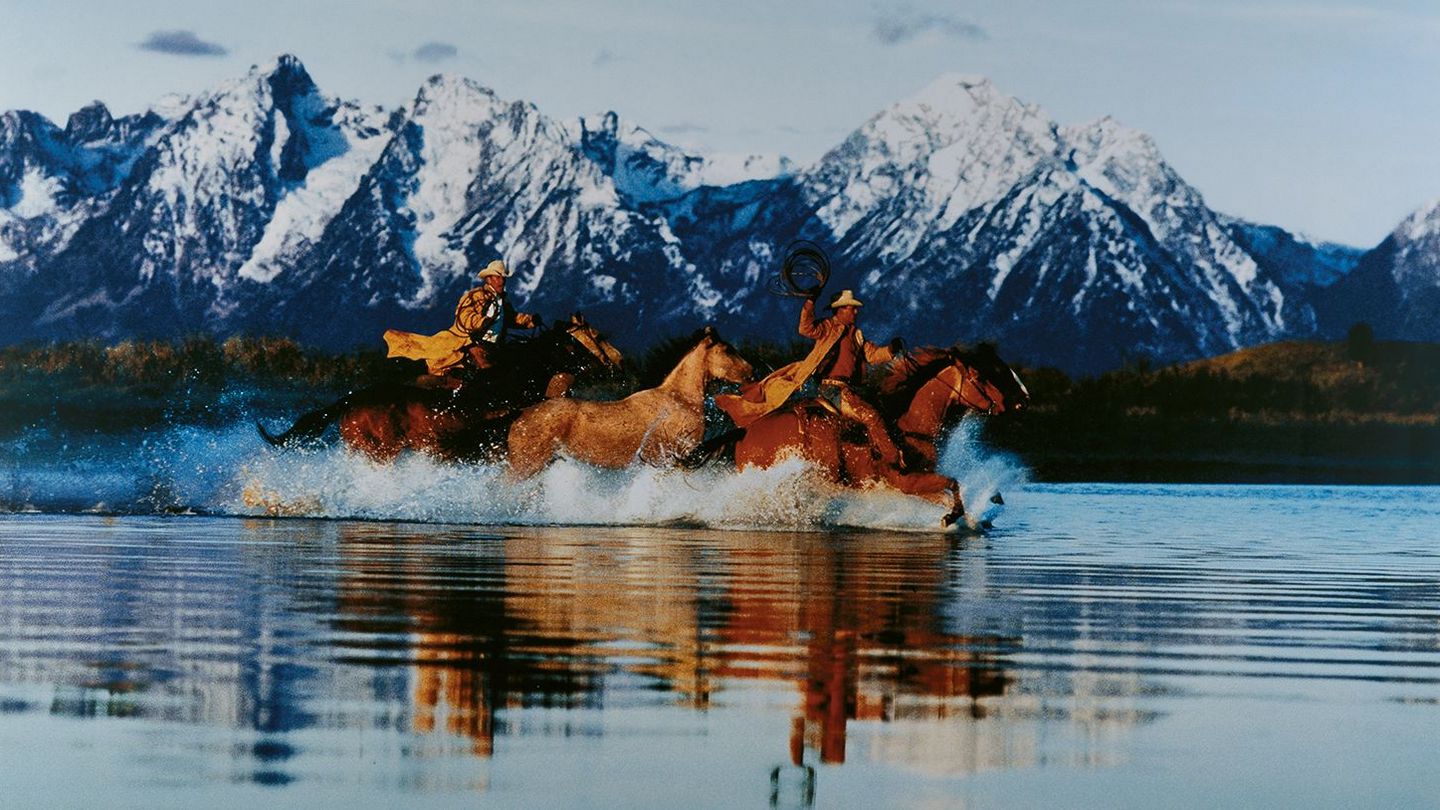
[
  {"x": 658, "y": 425},
  {"x": 919, "y": 394},
  {"x": 468, "y": 422}
]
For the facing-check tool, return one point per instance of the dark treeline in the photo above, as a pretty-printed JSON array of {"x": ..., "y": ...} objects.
[{"x": 1355, "y": 410}]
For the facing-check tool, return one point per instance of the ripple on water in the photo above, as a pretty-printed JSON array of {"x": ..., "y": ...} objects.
[{"x": 1103, "y": 641}]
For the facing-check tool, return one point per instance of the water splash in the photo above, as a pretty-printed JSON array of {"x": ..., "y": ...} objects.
[
  {"x": 230, "y": 471},
  {"x": 982, "y": 471}
]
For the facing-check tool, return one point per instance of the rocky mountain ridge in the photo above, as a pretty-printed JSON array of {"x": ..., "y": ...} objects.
[{"x": 959, "y": 213}]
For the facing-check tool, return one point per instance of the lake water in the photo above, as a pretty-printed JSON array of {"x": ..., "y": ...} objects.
[{"x": 1101, "y": 646}]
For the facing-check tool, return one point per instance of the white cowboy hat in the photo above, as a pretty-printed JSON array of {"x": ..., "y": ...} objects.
[
  {"x": 495, "y": 268},
  {"x": 845, "y": 299}
]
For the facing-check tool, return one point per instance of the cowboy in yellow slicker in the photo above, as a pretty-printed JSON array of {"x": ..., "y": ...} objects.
[
  {"x": 481, "y": 320},
  {"x": 837, "y": 362}
]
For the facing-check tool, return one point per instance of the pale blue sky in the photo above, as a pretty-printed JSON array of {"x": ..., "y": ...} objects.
[{"x": 1319, "y": 116}]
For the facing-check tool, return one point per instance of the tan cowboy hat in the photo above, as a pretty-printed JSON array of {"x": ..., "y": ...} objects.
[
  {"x": 845, "y": 299},
  {"x": 495, "y": 268}
]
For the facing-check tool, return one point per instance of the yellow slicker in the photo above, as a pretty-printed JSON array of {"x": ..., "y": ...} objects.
[
  {"x": 763, "y": 396},
  {"x": 446, "y": 349}
]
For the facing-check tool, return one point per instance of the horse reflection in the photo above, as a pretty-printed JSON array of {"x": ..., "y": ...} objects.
[{"x": 536, "y": 620}]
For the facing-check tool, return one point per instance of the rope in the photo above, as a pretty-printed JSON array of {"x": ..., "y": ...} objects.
[{"x": 803, "y": 272}]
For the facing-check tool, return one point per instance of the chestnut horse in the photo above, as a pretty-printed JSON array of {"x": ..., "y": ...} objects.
[
  {"x": 658, "y": 425},
  {"x": 920, "y": 395},
  {"x": 468, "y": 422}
]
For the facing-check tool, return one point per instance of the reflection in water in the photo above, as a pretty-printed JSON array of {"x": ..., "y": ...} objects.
[
  {"x": 854, "y": 625},
  {"x": 607, "y": 666}
]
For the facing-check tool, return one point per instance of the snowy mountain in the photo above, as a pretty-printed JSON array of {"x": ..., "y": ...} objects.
[
  {"x": 962, "y": 212},
  {"x": 958, "y": 213},
  {"x": 467, "y": 177},
  {"x": 647, "y": 170},
  {"x": 1395, "y": 287},
  {"x": 52, "y": 178},
  {"x": 1295, "y": 259},
  {"x": 223, "y": 197}
]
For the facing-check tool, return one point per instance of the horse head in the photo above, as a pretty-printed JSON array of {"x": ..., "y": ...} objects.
[
  {"x": 973, "y": 379},
  {"x": 985, "y": 383},
  {"x": 722, "y": 362},
  {"x": 594, "y": 346}
]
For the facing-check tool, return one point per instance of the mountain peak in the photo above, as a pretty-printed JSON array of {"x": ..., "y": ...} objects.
[
  {"x": 88, "y": 123},
  {"x": 454, "y": 95},
  {"x": 1107, "y": 140},
  {"x": 956, "y": 95},
  {"x": 283, "y": 64},
  {"x": 961, "y": 107},
  {"x": 286, "y": 75},
  {"x": 1421, "y": 224}
]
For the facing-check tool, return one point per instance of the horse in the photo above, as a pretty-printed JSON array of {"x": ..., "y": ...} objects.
[
  {"x": 657, "y": 425},
  {"x": 919, "y": 394},
  {"x": 921, "y": 389},
  {"x": 463, "y": 423}
]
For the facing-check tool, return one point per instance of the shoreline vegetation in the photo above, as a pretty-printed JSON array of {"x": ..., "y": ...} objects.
[{"x": 1356, "y": 411}]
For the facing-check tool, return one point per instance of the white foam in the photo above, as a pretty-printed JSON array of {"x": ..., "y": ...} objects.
[
  {"x": 231, "y": 471},
  {"x": 789, "y": 496}
]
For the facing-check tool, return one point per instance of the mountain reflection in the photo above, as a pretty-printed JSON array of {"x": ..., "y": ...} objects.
[{"x": 853, "y": 625}]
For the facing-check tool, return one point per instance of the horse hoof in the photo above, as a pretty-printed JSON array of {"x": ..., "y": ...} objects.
[{"x": 997, "y": 499}]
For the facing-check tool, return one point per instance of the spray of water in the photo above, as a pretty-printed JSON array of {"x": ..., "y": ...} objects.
[{"x": 230, "y": 471}]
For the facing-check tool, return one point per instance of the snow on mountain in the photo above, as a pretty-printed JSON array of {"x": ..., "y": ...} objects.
[
  {"x": 225, "y": 195},
  {"x": 469, "y": 177},
  {"x": 1125, "y": 165},
  {"x": 961, "y": 212},
  {"x": 918, "y": 166},
  {"x": 958, "y": 213},
  {"x": 51, "y": 178},
  {"x": 1298, "y": 260},
  {"x": 646, "y": 170},
  {"x": 1395, "y": 287}
]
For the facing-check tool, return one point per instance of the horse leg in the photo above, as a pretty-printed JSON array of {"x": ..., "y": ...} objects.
[
  {"x": 932, "y": 487},
  {"x": 926, "y": 451},
  {"x": 532, "y": 442}
]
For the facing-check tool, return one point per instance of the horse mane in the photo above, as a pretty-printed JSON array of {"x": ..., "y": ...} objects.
[
  {"x": 665, "y": 355},
  {"x": 903, "y": 377}
]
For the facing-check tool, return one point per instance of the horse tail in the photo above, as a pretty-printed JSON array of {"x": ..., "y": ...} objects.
[
  {"x": 308, "y": 428},
  {"x": 712, "y": 448}
]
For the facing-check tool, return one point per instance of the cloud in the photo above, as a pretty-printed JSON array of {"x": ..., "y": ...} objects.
[
  {"x": 901, "y": 25},
  {"x": 181, "y": 43},
  {"x": 683, "y": 128},
  {"x": 432, "y": 52}
]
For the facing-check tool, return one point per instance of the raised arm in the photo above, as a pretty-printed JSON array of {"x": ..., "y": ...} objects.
[{"x": 809, "y": 327}]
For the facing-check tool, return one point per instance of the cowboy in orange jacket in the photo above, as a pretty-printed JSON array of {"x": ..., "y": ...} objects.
[
  {"x": 837, "y": 362},
  {"x": 481, "y": 320}
]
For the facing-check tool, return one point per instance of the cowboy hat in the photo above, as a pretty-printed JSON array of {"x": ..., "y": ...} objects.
[
  {"x": 845, "y": 299},
  {"x": 495, "y": 268}
]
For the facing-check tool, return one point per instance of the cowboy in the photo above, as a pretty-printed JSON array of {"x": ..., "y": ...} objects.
[
  {"x": 482, "y": 318},
  {"x": 836, "y": 363}
]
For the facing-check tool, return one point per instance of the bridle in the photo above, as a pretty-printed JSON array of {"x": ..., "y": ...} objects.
[{"x": 969, "y": 379}]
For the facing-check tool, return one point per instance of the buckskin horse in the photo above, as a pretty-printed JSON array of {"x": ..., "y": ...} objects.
[
  {"x": 919, "y": 394},
  {"x": 657, "y": 425},
  {"x": 468, "y": 422}
]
